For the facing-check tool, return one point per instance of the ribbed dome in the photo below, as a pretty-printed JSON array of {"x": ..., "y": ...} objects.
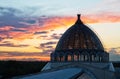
[
  {"x": 79, "y": 36},
  {"x": 79, "y": 43}
]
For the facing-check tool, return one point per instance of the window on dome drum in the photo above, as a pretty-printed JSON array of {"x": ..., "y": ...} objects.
[{"x": 69, "y": 58}]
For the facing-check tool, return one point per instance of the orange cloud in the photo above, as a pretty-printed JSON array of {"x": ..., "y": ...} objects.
[
  {"x": 51, "y": 25},
  {"x": 20, "y": 35},
  {"x": 60, "y": 22},
  {"x": 102, "y": 18},
  {"x": 54, "y": 23}
]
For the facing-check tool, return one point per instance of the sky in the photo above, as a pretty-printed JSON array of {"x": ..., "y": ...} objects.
[{"x": 30, "y": 29}]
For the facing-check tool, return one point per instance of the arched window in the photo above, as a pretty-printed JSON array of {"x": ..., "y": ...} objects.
[
  {"x": 93, "y": 58},
  {"x": 69, "y": 58},
  {"x": 86, "y": 57},
  {"x": 82, "y": 57},
  {"x": 75, "y": 57}
]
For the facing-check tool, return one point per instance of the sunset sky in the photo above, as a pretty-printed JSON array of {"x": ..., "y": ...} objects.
[{"x": 30, "y": 29}]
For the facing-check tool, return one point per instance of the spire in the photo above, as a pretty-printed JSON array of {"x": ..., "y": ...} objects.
[
  {"x": 78, "y": 15},
  {"x": 78, "y": 19}
]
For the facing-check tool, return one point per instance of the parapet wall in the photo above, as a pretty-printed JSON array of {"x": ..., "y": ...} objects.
[{"x": 99, "y": 70}]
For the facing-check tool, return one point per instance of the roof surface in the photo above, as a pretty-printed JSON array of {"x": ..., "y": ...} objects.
[{"x": 59, "y": 74}]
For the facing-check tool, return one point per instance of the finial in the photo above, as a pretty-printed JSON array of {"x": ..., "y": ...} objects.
[
  {"x": 78, "y": 15},
  {"x": 78, "y": 19}
]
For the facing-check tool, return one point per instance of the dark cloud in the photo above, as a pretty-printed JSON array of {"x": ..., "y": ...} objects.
[
  {"x": 47, "y": 44},
  {"x": 112, "y": 50},
  {"x": 5, "y": 10},
  {"x": 51, "y": 30},
  {"x": 31, "y": 21},
  {"x": 44, "y": 36},
  {"x": 20, "y": 45},
  {"x": 1, "y": 38},
  {"x": 61, "y": 34},
  {"x": 11, "y": 17},
  {"x": 19, "y": 54},
  {"x": 5, "y": 33},
  {"x": 18, "y": 30},
  {"x": 5, "y": 36},
  {"x": 47, "y": 51},
  {"x": 8, "y": 44},
  {"x": 49, "y": 47},
  {"x": 42, "y": 20},
  {"x": 30, "y": 59},
  {"x": 8, "y": 17},
  {"x": 114, "y": 54},
  {"x": 42, "y": 32},
  {"x": 56, "y": 36},
  {"x": 116, "y": 48},
  {"x": 29, "y": 56}
]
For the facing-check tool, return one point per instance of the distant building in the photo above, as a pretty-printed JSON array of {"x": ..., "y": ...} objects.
[{"x": 79, "y": 54}]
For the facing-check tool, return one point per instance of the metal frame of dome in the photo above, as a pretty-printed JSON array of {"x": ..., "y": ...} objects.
[{"x": 79, "y": 43}]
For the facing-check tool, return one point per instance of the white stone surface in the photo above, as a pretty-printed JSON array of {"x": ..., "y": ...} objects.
[{"x": 47, "y": 66}]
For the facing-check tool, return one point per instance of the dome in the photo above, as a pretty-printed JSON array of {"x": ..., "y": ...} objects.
[
  {"x": 79, "y": 36},
  {"x": 79, "y": 43}
]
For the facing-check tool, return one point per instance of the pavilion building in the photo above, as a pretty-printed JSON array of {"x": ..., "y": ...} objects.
[{"x": 79, "y": 54}]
